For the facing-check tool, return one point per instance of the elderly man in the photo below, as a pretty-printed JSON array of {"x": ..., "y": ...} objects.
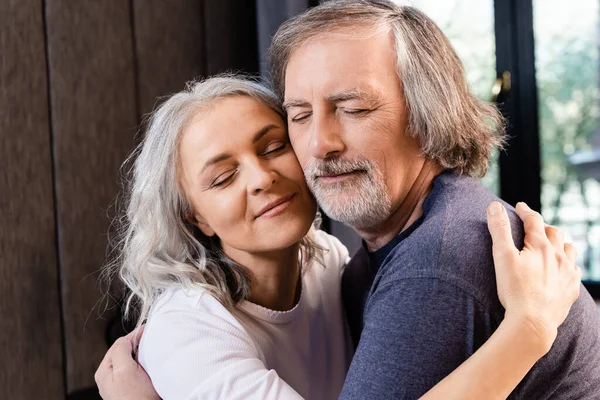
[{"x": 388, "y": 135}]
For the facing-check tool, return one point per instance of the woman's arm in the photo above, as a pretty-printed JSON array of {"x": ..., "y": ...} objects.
[
  {"x": 537, "y": 287},
  {"x": 190, "y": 353},
  {"x": 203, "y": 352},
  {"x": 120, "y": 377}
]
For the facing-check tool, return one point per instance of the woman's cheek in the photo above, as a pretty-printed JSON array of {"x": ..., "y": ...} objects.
[{"x": 230, "y": 208}]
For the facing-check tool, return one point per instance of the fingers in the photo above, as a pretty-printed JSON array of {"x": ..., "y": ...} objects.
[
  {"x": 566, "y": 253},
  {"x": 535, "y": 229},
  {"x": 137, "y": 333},
  {"x": 122, "y": 351},
  {"x": 556, "y": 237},
  {"x": 571, "y": 252},
  {"x": 104, "y": 367},
  {"x": 532, "y": 221},
  {"x": 499, "y": 227},
  {"x": 135, "y": 336},
  {"x": 574, "y": 278}
]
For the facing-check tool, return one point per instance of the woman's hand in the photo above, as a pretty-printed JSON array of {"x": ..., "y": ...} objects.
[
  {"x": 120, "y": 377},
  {"x": 538, "y": 284}
]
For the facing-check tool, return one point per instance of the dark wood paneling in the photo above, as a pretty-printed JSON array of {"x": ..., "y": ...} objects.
[
  {"x": 169, "y": 47},
  {"x": 93, "y": 108},
  {"x": 231, "y": 36},
  {"x": 30, "y": 332}
]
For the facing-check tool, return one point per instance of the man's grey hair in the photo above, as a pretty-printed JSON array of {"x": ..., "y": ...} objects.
[
  {"x": 157, "y": 247},
  {"x": 454, "y": 128}
]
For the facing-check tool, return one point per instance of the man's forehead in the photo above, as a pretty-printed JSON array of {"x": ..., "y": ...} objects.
[{"x": 322, "y": 68}]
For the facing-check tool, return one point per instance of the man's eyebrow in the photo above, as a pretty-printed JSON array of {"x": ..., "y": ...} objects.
[
  {"x": 352, "y": 94},
  {"x": 295, "y": 103},
  {"x": 225, "y": 156}
]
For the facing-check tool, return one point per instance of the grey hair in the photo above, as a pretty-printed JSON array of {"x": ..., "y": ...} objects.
[
  {"x": 157, "y": 248},
  {"x": 454, "y": 128}
]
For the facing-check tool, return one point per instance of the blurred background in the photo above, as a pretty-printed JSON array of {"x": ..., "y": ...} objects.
[{"x": 77, "y": 77}]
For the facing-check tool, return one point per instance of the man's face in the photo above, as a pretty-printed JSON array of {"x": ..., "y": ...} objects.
[{"x": 347, "y": 120}]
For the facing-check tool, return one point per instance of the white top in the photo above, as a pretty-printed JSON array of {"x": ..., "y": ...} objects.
[{"x": 195, "y": 348}]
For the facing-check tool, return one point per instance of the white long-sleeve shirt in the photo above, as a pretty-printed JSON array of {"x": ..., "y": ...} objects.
[{"x": 195, "y": 348}]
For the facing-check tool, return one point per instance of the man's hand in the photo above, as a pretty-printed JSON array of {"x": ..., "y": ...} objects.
[
  {"x": 538, "y": 284},
  {"x": 120, "y": 377}
]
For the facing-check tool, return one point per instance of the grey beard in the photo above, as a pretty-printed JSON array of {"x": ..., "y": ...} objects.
[{"x": 360, "y": 202}]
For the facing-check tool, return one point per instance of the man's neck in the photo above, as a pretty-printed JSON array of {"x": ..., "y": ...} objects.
[
  {"x": 406, "y": 213},
  {"x": 274, "y": 276}
]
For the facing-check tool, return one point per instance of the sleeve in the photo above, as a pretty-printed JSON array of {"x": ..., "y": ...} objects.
[
  {"x": 416, "y": 332},
  {"x": 191, "y": 354}
]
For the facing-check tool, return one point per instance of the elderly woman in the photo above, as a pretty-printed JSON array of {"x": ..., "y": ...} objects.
[{"x": 241, "y": 294}]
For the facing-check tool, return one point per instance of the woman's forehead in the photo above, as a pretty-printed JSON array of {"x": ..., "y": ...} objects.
[{"x": 229, "y": 126}]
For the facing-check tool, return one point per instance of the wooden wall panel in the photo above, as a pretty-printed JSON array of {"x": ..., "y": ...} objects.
[
  {"x": 93, "y": 108},
  {"x": 231, "y": 36},
  {"x": 169, "y": 38},
  {"x": 30, "y": 332}
]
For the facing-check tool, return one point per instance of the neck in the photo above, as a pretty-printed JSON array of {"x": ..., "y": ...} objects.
[
  {"x": 274, "y": 276},
  {"x": 409, "y": 210}
]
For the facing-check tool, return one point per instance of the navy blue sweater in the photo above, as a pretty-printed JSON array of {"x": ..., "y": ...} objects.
[{"x": 427, "y": 301}]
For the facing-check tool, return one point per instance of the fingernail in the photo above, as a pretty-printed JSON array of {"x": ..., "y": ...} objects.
[
  {"x": 523, "y": 205},
  {"x": 495, "y": 208}
]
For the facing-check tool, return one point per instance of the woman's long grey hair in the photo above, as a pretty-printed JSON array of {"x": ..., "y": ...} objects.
[{"x": 156, "y": 247}]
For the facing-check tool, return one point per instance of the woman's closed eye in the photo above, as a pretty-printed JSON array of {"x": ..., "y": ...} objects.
[
  {"x": 274, "y": 148},
  {"x": 223, "y": 179}
]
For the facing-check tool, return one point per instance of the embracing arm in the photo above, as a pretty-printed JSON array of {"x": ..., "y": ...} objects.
[
  {"x": 496, "y": 368},
  {"x": 532, "y": 316},
  {"x": 119, "y": 376},
  {"x": 189, "y": 354},
  {"x": 418, "y": 332}
]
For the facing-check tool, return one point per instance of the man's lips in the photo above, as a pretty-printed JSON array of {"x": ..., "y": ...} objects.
[
  {"x": 338, "y": 177},
  {"x": 276, "y": 206}
]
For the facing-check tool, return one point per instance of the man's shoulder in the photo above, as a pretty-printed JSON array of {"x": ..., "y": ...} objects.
[{"x": 452, "y": 242}]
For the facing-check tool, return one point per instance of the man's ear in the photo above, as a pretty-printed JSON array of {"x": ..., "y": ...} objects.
[{"x": 199, "y": 222}]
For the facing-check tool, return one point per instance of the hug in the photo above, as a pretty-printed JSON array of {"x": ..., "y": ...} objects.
[{"x": 453, "y": 295}]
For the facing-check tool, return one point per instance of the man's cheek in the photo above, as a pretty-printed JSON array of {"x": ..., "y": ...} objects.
[{"x": 302, "y": 151}]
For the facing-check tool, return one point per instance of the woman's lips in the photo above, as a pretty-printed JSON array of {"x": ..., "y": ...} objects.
[{"x": 276, "y": 207}]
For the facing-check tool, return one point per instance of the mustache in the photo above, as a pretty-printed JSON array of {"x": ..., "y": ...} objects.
[{"x": 336, "y": 166}]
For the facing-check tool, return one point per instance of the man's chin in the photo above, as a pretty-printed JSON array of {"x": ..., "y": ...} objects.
[
  {"x": 345, "y": 210},
  {"x": 340, "y": 214}
]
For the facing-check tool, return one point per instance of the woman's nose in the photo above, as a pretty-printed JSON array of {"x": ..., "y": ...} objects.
[{"x": 262, "y": 179}]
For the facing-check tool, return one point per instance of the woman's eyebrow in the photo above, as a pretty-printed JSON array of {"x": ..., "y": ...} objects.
[
  {"x": 215, "y": 160},
  {"x": 263, "y": 131},
  {"x": 225, "y": 156}
]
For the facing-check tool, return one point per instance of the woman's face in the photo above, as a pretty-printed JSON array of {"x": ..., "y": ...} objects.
[{"x": 241, "y": 176}]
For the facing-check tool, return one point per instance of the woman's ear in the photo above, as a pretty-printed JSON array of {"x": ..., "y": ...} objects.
[{"x": 199, "y": 222}]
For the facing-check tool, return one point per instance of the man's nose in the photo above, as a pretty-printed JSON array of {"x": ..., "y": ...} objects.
[
  {"x": 326, "y": 140},
  {"x": 262, "y": 177}
]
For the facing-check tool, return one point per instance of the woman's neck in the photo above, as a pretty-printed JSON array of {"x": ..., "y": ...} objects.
[{"x": 274, "y": 276}]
